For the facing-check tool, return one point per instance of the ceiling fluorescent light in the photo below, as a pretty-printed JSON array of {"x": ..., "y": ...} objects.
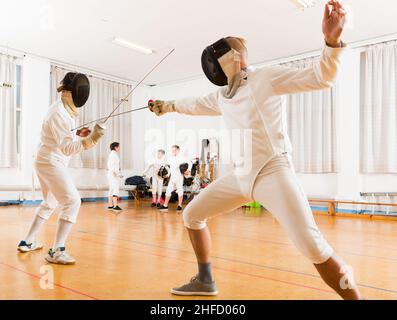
[
  {"x": 132, "y": 46},
  {"x": 304, "y": 4}
]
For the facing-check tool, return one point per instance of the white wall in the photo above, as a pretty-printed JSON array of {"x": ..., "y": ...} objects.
[{"x": 174, "y": 125}]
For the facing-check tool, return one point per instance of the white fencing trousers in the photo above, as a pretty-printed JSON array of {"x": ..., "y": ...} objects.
[
  {"x": 175, "y": 184},
  {"x": 157, "y": 185},
  {"x": 59, "y": 191},
  {"x": 114, "y": 185},
  {"x": 278, "y": 190}
]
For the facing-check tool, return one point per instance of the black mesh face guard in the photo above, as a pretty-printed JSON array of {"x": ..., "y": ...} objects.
[
  {"x": 80, "y": 90},
  {"x": 184, "y": 167},
  {"x": 210, "y": 64},
  {"x": 163, "y": 172},
  {"x": 220, "y": 48},
  {"x": 79, "y": 85}
]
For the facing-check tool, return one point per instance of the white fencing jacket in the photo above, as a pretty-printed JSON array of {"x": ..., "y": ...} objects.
[
  {"x": 154, "y": 166},
  {"x": 174, "y": 163},
  {"x": 259, "y": 107},
  {"x": 113, "y": 164},
  {"x": 57, "y": 141}
]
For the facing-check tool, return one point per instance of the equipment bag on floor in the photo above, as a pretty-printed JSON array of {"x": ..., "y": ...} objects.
[{"x": 135, "y": 181}]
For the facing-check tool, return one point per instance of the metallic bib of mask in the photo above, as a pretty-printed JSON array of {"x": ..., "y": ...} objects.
[{"x": 79, "y": 85}]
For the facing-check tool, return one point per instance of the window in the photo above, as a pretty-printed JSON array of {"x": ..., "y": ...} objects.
[
  {"x": 379, "y": 109},
  {"x": 18, "y": 106},
  {"x": 311, "y": 118},
  {"x": 8, "y": 155}
]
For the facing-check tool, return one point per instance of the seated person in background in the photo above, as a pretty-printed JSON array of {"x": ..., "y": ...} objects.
[
  {"x": 152, "y": 171},
  {"x": 176, "y": 179},
  {"x": 114, "y": 176}
]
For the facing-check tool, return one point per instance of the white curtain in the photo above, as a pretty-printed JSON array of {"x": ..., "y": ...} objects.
[
  {"x": 104, "y": 96},
  {"x": 8, "y": 138},
  {"x": 312, "y": 127},
  {"x": 379, "y": 109}
]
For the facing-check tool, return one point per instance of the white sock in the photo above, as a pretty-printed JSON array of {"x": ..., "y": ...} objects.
[
  {"x": 36, "y": 226},
  {"x": 63, "y": 230}
]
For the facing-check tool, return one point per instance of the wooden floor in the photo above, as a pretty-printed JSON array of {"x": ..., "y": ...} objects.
[{"x": 141, "y": 254}]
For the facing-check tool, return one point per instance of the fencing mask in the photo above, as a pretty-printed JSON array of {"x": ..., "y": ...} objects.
[
  {"x": 163, "y": 172},
  {"x": 184, "y": 167},
  {"x": 221, "y": 65},
  {"x": 79, "y": 85},
  {"x": 210, "y": 63}
]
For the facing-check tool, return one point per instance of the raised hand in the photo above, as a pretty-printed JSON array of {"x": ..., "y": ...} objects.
[{"x": 333, "y": 23}]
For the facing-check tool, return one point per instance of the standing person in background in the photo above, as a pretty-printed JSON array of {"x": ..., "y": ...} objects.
[
  {"x": 157, "y": 181},
  {"x": 114, "y": 176},
  {"x": 176, "y": 179}
]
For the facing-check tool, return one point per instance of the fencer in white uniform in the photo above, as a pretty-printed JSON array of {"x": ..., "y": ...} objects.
[
  {"x": 253, "y": 100},
  {"x": 58, "y": 144},
  {"x": 152, "y": 171},
  {"x": 176, "y": 179},
  {"x": 114, "y": 175}
]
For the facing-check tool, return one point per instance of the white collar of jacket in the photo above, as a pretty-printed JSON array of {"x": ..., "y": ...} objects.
[
  {"x": 62, "y": 109},
  {"x": 70, "y": 108}
]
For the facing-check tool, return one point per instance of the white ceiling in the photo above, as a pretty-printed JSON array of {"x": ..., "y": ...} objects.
[{"x": 81, "y": 30}]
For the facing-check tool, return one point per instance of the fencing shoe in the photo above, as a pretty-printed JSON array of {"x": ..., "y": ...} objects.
[
  {"x": 28, "y": 247},
  {"x": 59, "y": 256},
  {"x": 196, "y": 288}
]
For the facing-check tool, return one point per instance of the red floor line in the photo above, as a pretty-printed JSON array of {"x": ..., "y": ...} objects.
[
  {"x": 271, "y": 279},
  {"x": 243, "y": 273},
  {"x": 275, "y": 243},
  {"x": 236, "y": 261},
  {"x": 284, "y": 243},
  {"x": 219, "y": 268},
  {"x": 277, "y": 280},
  {"x": 279, "y": 243},
  {"x": 287, "y": 243},
  {"x": 55, "y": 284}
]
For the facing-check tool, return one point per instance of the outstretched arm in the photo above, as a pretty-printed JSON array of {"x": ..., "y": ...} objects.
[
  {"x": 322, "y": 74},
  {"x": 202, "y": 106}
]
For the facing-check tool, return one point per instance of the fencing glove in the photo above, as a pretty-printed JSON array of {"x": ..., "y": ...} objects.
[
  {"x": 160, "y": 107},
  {"x": 118, "y": 175},
  {"x": 92, "y": 140}
]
